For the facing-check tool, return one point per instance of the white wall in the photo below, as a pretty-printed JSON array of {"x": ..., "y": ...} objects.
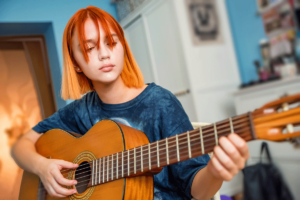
[{"x": 212, "y": 69}]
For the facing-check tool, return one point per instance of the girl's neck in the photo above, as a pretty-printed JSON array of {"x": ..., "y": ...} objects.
[
  {"x": 116, "y": 92},
  {"x": 112, "y": 93}
]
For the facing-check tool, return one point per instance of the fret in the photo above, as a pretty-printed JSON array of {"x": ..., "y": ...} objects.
[
  {"x": 189, "y": 144},
  {"x": 216, "y": 134},
  {"x": 252, "y": 130},
  {"x": 99, "y": 170},
  {"x": 149, "y": 155},
  {"x": 93, "y": 173},
  {"x": 96, "y": 172},
  {"x": 112, "y": 166},
  {"x": 231, "y": 125},
  {"x": 134, "y": 158},
  {"x": 128, "y": 162},
  {"x": 177, "y": 148},
  {"x": 107, "y": 177},
  {"x": 142, "y": 159},
  {"x": 201, "y": 140},
  {"x": 167, "y": 149},
  {"x": 122, "y": 163},
  {"x": 117, "y": 166},
  {"x": 158, "y": 164},
  {"x": 103, "y": 169}
]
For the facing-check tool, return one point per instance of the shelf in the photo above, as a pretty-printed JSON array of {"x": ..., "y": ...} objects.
[{"x": 267, "y": 85}]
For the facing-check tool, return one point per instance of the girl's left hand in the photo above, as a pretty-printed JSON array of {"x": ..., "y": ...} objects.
[{"x": 229, "y": 157}]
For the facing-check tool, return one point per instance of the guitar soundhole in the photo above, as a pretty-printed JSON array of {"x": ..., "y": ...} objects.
[{"x": 83, "y": 176}]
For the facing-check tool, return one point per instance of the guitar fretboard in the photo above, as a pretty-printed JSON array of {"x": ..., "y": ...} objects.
[{"x": 168, "y": 151}]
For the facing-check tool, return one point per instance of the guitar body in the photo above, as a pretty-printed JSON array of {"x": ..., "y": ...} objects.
[{"x": 104, "y": 138}]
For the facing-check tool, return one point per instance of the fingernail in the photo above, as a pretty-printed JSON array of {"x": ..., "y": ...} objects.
[
  {"x": 75, "y": 182},
  {"x": 74, "y": 192}
]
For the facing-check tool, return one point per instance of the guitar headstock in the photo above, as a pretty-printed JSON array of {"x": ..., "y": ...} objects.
[{"x": 278, "y": 120}]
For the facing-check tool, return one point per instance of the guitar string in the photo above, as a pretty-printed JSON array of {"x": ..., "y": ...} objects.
[
  {"x": 147, "y": 158},
  {"x": 114, "y": 173},
  {"x": 152, "y": 152},
  {"x": 77, "y": 186},
  {"x": 138, "y": 163},
  {"x": 105, "y": 174},
  {"x": 146, "y": 149},
  {"x": 163, "y": 141},
  {"x": 154, "y": 147}
]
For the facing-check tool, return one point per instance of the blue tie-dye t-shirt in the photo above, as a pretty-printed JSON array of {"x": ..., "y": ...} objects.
[{"x": 156, "y": 112}]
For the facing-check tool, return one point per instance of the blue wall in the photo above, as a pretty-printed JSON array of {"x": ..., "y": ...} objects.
[
  {"x": 247, "y": 30},
  {"x": 49, "y": 18}
]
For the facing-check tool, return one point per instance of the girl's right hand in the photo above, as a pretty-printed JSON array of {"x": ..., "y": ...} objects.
[{"x": 50, "y": 175}]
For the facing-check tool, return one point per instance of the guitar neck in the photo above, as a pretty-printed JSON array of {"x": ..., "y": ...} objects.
[{"x": 170, "y": 150}]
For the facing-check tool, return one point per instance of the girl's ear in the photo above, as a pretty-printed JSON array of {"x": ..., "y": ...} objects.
[
  {"x": 75, "y": 65},
  {"x": 77, "y": 69}
]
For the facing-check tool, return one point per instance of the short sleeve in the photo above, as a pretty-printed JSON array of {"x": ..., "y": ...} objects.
[
  {"x": 176, "y": 121},
  {"x": 63, "y": 119}
]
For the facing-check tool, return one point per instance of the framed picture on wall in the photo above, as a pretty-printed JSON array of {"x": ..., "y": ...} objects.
[{"x": 204, "y": 21}]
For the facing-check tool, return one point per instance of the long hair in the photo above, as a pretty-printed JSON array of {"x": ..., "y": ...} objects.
[{"x": 75, "y": 84}]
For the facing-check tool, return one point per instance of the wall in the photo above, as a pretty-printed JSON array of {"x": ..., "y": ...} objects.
[
  {"x": 48, "y": 18},
  {"x": 247, "y": 30}
]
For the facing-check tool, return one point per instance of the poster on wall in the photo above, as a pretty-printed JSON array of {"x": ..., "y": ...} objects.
[
  {"x": 278, "y": 19},
  {"x": 204, "y": 22}
]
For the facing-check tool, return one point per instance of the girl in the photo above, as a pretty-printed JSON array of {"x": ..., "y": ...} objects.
[{"x": 102, "y": 75}]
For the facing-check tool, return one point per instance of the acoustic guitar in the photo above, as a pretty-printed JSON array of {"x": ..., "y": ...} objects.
[{"x": 118, "y": 162}]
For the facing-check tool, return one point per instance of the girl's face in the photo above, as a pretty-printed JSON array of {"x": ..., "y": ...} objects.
[{"x": 105, "y": 65}]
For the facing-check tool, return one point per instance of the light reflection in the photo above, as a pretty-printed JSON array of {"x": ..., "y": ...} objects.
[{"x": 19, "y": 111}]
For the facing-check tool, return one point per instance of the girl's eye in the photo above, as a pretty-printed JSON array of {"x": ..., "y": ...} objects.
[
  {"x": 114, "y": 43},
  {"x": 90, "y": 49}
]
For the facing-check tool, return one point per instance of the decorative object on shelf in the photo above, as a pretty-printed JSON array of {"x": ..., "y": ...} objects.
[
  {"x": 262, "y": 72},
  {"x": 204, "y": 22}
]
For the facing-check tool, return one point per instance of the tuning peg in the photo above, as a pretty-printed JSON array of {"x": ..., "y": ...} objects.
[{"x": 286, "y": 101}]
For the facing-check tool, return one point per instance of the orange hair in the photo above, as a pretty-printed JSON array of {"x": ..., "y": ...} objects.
[{"x": 74, "y": 84}]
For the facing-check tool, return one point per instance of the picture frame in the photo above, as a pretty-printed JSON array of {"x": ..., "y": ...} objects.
[{"x": 204, "y": 22}]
